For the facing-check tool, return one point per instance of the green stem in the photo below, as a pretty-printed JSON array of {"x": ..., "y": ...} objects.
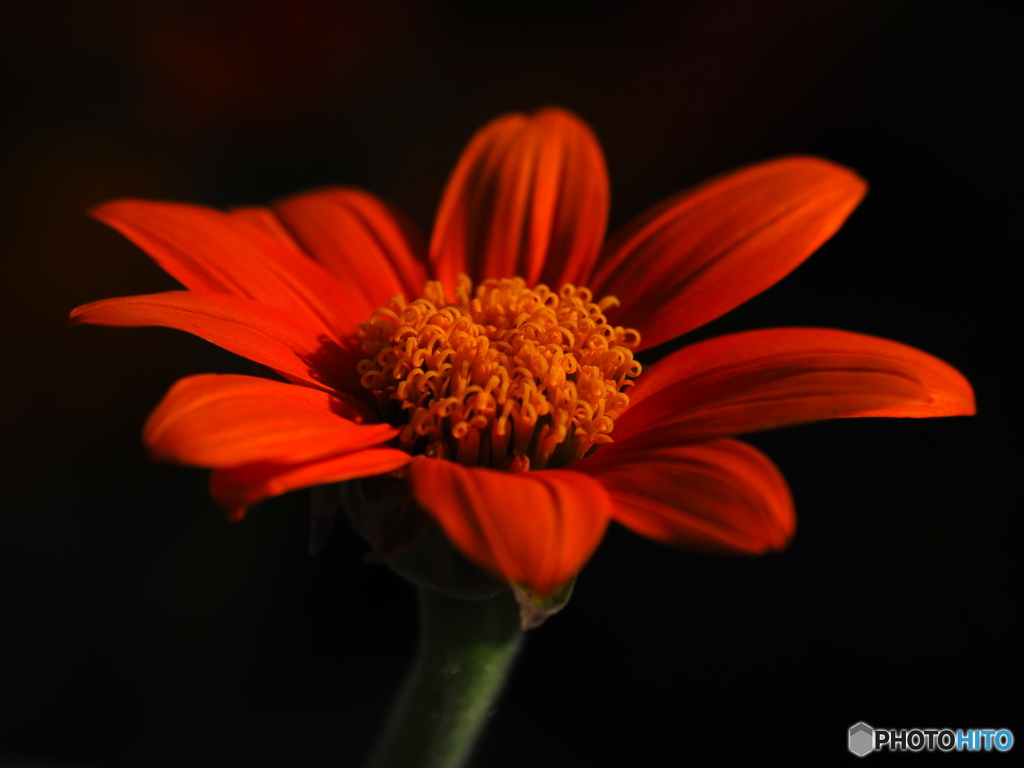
[{"x": 466, "y": 649}]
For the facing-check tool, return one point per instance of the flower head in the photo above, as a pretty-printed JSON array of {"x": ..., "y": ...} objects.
[
  {"x": 502, "y": 376},
  {"x": 493, "y": 372}
]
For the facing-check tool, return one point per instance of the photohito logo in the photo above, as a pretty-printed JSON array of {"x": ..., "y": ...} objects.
[{"x": 863, "y": 739}]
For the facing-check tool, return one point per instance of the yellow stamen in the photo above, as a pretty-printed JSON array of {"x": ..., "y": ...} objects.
[{"x": 503, "y": 375}]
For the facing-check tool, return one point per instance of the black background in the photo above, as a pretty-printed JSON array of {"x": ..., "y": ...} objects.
[{"x": 141, "y": 629}]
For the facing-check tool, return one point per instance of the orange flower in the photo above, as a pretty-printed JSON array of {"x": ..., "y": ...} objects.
[{"x": 515, "y": 411}]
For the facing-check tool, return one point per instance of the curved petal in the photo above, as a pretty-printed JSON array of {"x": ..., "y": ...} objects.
[
  {"x": 717, "y": 496},
  {"x": 266, "y": 220},
  {"x": 213, "y": 252},
  {"x": 227, "y": 420},
  {"x": 535, "y": 529},
  {"x": 238, "y": 488},
  {"x": 528, "y": 198},
  {"x": 758, "y": 380},
  {"x": 258, "y": 332},
  {"x": 359, "y": 240},
  {"x": 708, "y": 250}
]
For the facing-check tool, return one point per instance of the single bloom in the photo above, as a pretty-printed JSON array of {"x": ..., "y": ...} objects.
[{"x": 492, "y": 369}]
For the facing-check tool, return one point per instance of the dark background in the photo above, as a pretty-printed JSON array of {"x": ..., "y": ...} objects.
[{"x": 141, "y": 629}]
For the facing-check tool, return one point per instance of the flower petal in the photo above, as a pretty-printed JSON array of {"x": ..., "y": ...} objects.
[
  {"x": 757, "y": 380},
  {"x": 708, "y": 250},
  {"x": 213, "y": 252},
  {"x": 266, "y": 220},
  {"x": 227, "y": 420},
  {"x": 535, "y": 529},
  {"x": 359, "y": 240},
  {"x": 258, "y": 332},
  {"x": 238, "y": 488},
  {"x": 528, "y": 198},
  {"x": 718, "y": 496}
]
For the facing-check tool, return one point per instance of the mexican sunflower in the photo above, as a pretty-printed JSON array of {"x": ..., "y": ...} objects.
[{"x": 493, "y": 370}]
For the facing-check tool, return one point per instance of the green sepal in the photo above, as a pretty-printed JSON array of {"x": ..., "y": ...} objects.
[{"x": 535, "y": 609}]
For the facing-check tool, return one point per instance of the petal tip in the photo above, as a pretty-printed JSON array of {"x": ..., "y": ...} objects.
[{"x": 111, "y": 210}]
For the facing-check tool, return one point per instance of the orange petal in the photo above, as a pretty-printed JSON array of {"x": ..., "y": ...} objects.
[
  {"x": 535, "y": 529},
  {"x": 258, "y": 332},
  {"x": 705, "y": 251},
  {"x": 758, "y": 380},
  {"x": 528, "y": 198},
  {"x": 227, "y": 420},
  {"x": 359, "y": 240},
  {"x": 213, "y": 252},
  {"x": 266, "y": 219},
  {"x": 238, "y": 488},
  {"x": 719, "y": 496}
]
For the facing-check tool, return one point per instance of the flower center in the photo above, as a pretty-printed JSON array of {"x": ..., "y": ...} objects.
[{"x": 501, "y": 376}]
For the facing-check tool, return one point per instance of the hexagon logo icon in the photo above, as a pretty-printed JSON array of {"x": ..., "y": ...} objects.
[{"x": 862, "y": 739}]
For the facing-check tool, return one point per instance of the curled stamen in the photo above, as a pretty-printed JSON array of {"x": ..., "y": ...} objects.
[{"x": 502, "y": 375}]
